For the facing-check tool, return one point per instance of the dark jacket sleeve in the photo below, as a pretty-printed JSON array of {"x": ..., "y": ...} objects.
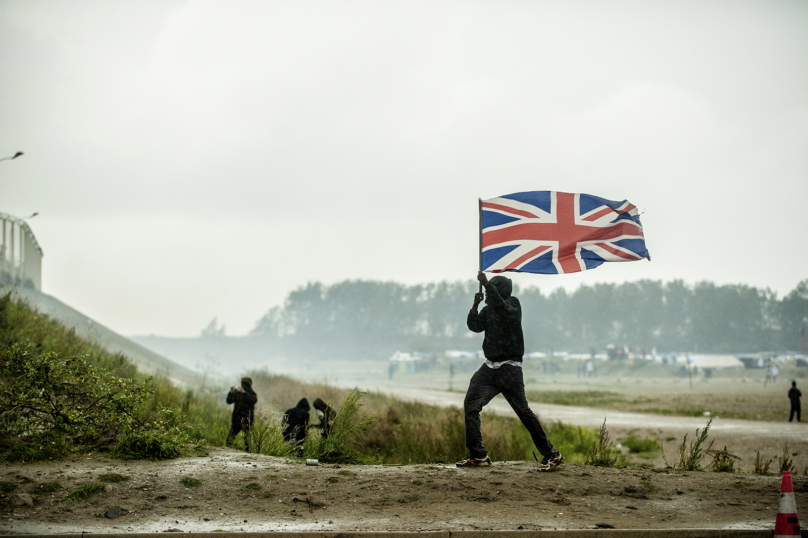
[
  {"x": 231, "y": 397},
  {"x": 476, "y": 321}
]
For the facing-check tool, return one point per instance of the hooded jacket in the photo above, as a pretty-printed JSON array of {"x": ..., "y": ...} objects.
[
  {"x": 244, "y": 403},
  {"x": 501, "y": 320},
  {"x": 297, "y": 421}
]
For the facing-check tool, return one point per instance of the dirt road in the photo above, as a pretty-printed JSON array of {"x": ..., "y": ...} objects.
[{"x": 243, "y": 492}]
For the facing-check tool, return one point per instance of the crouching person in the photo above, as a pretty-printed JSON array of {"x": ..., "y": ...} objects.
[{"x": 297, "y": 422}]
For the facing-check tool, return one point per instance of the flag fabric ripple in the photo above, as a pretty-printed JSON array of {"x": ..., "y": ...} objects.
[{"x": 552, "y": 232}]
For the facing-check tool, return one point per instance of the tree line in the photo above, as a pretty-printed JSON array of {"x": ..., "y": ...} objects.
[{"x": 357, "y": 317}]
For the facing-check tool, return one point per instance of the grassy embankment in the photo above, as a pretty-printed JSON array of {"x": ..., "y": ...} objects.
[{"x": 383, "y": 430}]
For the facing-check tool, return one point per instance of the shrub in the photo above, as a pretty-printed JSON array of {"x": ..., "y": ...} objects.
[
  {"x": 266, "y": 436},
  {"x": 690, "y": 456},
  {"x": 52, "y": 397},
  {"x": 341, "y": 445},
  {"x": 761, "y": 464},
  {"x": 723, "y": 460},
  {"x": 602, "y": 454},
  {"x": 786, "y": 464},
  {"x": 158, "y": 442}
]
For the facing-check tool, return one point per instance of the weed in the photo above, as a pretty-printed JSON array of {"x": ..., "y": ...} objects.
[
  {"x": 723, "y": 460},
  {"x": 637, "y": 445},
  {"x": 266, "y": 436},
  {"x": 113, "y": 478},
  {"x": 84, "y": 492},
  {"x": 340, "y": 446},
  {"x": 251, "y": 478},
  {"x": 602, "y": 453},
  {"x": 346, "y": 472},
  {"x": 690, "y": 456},
  {"x": 269, "y": 494},
  {"x": 189, "y": 482},
  {"x": 761, "y": 464},
  {"x": 45, "y": 488},
  {"x": 6, "y": 489},
  {"x": 786, "y": 464},
  {"x": 252, "y": 486},
  {"x": 332, "y": 479},
  {"x": 669, "y": 439},
  {"x": 161, "y": 498}
]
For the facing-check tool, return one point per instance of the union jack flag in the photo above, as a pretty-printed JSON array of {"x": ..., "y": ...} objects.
[{"x": 553, "y": 232}]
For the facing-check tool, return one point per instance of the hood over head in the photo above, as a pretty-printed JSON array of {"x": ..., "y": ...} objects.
[
  {"x": 303, "y": 404},
  {"x": 503, "y": 285}
]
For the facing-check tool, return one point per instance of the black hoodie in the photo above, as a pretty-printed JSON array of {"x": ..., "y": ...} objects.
[
  {"x": 297, "y": 421},
  {"x": 244, "y": 407},
  {"x": 501, "y": 319}
]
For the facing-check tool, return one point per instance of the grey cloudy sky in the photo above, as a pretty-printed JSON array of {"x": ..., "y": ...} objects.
[{"x": 199, "y": 159}]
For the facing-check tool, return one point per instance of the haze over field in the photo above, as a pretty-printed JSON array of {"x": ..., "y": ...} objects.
[{"x": 192, "y": 160}]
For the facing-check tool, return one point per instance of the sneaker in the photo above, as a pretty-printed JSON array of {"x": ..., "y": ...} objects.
[
  {"x": 548, "y": 463},
  {"x": 474, "y": 462}
]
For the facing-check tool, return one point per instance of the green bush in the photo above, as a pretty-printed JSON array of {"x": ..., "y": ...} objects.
[
  {"x": 159, "y": 442},
  {"x": 636, "y": 445}
]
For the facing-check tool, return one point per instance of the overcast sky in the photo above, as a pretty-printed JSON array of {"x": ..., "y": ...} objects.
[{"x": 199, "y": 159}]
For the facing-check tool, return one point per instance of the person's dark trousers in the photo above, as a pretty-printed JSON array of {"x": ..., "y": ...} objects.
[
  {"x": 794, "y": 410},
  {"x": 484, "y": 385},
  {"x": 239, "y": 426}
]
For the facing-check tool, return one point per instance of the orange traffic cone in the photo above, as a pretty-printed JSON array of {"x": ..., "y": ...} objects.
[{"x": 787, "y": 523}]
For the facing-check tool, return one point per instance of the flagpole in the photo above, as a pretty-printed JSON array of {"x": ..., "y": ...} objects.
[{"x": 480, "y": 210}]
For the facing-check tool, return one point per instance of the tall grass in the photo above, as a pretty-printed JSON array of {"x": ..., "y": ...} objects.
[{"x": 378, "y": 428}]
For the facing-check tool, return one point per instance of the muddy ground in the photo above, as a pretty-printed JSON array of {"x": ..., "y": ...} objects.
[{"x": 239, "y": 491}]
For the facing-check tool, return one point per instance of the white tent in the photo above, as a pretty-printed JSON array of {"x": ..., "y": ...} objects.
[{"x": 715, "y": 361}]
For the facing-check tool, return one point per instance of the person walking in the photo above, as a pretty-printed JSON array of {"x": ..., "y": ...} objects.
[
  {"x": 503, "y": 347},
  {"x": 243, "y": 399},
  {"x": 794, "y": 395}
]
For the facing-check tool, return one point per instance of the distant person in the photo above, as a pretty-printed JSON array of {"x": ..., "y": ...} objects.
[
  {"x": 768, "y": 375},
  {"x": 794, "y": 395},
  {"x": 503, "y": 347},
  {"x": 775, "y": 373},
  {"x": 326, "y": 414},
  {"x": 297, "y": 422},
  {"x": 244, "y": 398},
  {"x": 590, "y": 369}
]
